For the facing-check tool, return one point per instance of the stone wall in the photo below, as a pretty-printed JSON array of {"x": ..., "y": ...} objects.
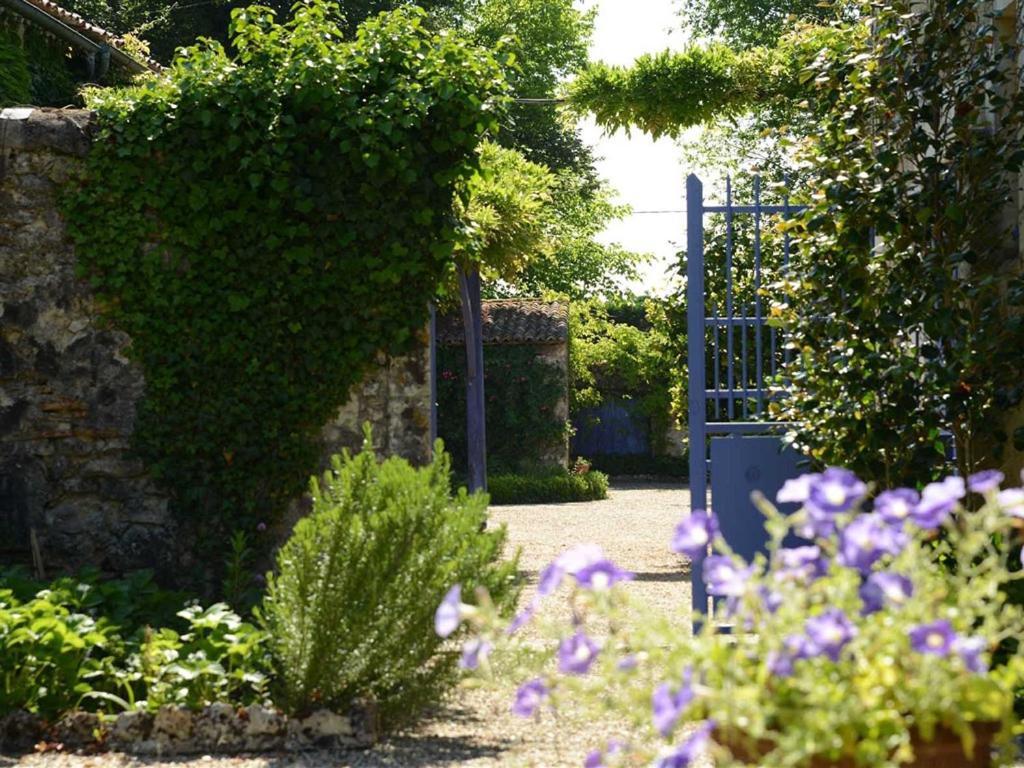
[{"x": 70, "y": 492}]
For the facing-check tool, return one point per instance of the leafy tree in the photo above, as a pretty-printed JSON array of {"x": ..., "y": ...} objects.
[{"x": 904, "y": 303}]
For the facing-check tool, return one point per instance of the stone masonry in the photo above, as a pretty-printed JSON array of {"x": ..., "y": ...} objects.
[{"x": 71, "y": 494}]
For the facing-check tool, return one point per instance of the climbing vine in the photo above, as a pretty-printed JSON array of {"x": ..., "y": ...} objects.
[{"x": 262, "y": 223}]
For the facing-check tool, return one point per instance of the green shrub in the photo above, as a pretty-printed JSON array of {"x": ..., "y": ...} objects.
[
  {"x": 351, "y": 606},
  {"x": 547, "y": 487},
  {"x": 82, "y": 643},
  {"x": 15, "y": 79},
  {"x": 660, "y": 466}
]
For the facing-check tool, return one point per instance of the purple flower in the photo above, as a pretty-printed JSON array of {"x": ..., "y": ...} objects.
[
  {"x": 835, "y": 490},
  {"x": 935, "y": 638},
  {"x": 529, "y": 697},
  {"x": 866, "y": 539},
  {"x": 523, "y": 617},
  {"x": 570, "y": 562},
  {"x": 724, "y": 577},
  {"x": 969, "y": 649},
  {"x": 474, "y": 651},
  {"x": 796, "y": 490},
  {"x": 667, "y": 705},
  {"x": 1012, "y": 501},
  {"x": 576, "y": 654},
  {"x": 594, "y": 759},
  {"x": 628, "y": 663},
  {"x": 449, "y": 613},
  {"x": 795, "y": 647},
  {"x": 684, "y": 755},
  {"x": 800, "y": 564},
  {"x": 261, "y": 527},
  {"x": 985, "y": 481},
  {"x": 829, "y": 633},
  {"x": 770, "y": 599},
  {"x": 895, "y": 506},
  {"x": 695, "y": 533},
  {"x": 937, "y": 501},
  {"x": 817, "y": 524},
  {"x": 601, "y": 575},
  {"x": 881, "y": 589}
]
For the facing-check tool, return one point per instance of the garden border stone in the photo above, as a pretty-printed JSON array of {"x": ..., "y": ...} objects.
[{"x": 215, "y": 729}]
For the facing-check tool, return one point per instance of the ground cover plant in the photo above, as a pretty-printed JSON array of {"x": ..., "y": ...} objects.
[
  {"x": 851, "y": 643},
  {"x": 262, "y": 223},
  {"x": 110, "y": 646},
  {"x": 351, "y": 604}
]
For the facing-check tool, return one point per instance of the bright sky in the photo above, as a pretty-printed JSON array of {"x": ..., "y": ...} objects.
[{"x": 646, "y": 173}]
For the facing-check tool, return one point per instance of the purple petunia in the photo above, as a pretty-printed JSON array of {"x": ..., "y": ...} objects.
[
  {"x": 817, "y": 524},
  {"x": 896, "y": 505},
  {"x": 724, "y": 577},
  {"x": 799, "y": 564},
  {"x": 695, "y": 533},
  {"x": 866, "y": 539},
  {"x": 935, "y": 638},
  {"x": 529, "y": 697},
  {"x": 601, "y": 575},
  {"x": 985, "y": 481},
  {"x": 882, "y": 589},
  {"x": 937, "y": 501},
  {"x": 569, "y": 563},
  {"x": 449, "y": 613},
  {"x": 835, "y": 490},
  {"x": 1012, "y": 501},
  {"x": 828, "y": 633},
  {"x": 523, "y": 618},
  {"x": 796, "y": 490},
  {"x": 576, "y": 654},
  {"x": 628, "y": 663},
  {"x": 668, "y": 704},
  {"x": 684, "y": 755},
  {"x": 474, "y": 651},
  {"x": 795, "y": 647},
  {"x": 969, "y": 649},
  {"x": 595, "y": 759}
]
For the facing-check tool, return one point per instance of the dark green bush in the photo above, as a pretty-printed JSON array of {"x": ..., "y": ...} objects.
[
  {"x": 547, "y": 487},
  {"x": 660, "y": 466},
  {"x": 351, "y": 606},
  {"x": 82, "y": 643},
  {"x": 15, "y": 78}
]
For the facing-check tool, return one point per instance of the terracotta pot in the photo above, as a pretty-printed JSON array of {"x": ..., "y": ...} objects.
[{"x": 944, "y": 751}]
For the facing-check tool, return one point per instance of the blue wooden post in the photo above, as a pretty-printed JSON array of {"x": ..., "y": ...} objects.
[
  {"x": 472, "y": 321},
  {"x": 695, "y": 360}
]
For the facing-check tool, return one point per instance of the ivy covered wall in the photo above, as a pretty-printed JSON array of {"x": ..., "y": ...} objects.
[{"x": 35, "y": 69}]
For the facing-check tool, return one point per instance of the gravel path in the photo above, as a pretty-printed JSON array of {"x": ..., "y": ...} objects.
[{"x": 475, "y": 728}]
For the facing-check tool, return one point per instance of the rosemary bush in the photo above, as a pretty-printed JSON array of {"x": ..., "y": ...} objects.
[{"x": 352, "y": 602}]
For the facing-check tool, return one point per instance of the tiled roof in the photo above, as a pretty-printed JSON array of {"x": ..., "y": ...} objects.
[
  {"x": 512, "y": 321},
  {"x": 86, "y": 29}
]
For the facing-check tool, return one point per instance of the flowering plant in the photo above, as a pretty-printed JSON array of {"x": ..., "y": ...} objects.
[{"x": 860, "y": 637}]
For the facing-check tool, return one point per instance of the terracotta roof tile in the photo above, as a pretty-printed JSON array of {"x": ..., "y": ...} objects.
[
  {"x": 88, "y": 29},
  {"x": 512, "y": 321}
]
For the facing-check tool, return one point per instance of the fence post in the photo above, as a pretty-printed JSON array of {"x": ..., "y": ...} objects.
[{"x": 697, "y": 409}]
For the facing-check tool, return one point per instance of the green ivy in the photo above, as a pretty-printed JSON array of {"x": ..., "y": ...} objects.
[
  {"x": 523, "y": 391},
  {"x": 15, "y": 79},
  {"x": 263, "y": 223}
]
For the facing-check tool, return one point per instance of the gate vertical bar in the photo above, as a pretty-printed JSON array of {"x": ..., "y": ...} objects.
[
  {"x": 758, "y": 320},
  {"x": 695, "y": 359},
  {"x": 730, "y": 313}
]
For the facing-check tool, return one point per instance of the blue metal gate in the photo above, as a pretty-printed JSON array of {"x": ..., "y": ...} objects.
[{"x": 734, "y": 359}]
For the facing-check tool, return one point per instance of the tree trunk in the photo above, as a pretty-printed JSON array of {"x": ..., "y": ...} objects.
[{"x": 472, "y": 321}]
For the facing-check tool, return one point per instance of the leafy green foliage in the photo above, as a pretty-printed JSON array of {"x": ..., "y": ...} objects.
[
  {"x": 665, "y": 93},
  {"x": 15, "y": 79},
  {"x": 523, "y": 392},
  {"x": 657, "y": 466},
  {"x": 263, "y": 224},
  {"x": 912, "y": 334},
  {"x": 576, "y": 265},
  {"x": 351, "y": 606},
  {"x": 84, "y": 643},
  {"x": 744, "y": 24},
  {"x": 554, "y": 486},
  {"x": 617, "y": 353}
]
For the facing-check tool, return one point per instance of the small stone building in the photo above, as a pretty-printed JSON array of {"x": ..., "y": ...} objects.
[
  {"x": 542, "y": 326},
  {"x": 70, "y": 492}
]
